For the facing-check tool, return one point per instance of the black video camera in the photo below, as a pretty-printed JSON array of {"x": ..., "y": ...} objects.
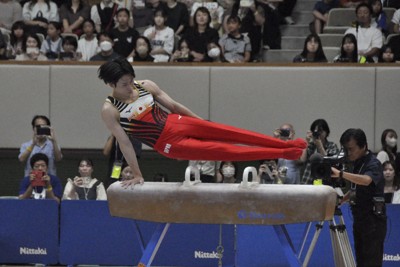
[{"x": 321, "y": 169}]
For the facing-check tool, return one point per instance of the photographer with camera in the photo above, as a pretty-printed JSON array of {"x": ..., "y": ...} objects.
[
  {"x": 39, "y": 184},
  {"x": 43, "y": 141},
  {"x": 289, "y": 170},
  {"x": 317, "y": 143},
  {"x": 365, "y": 197}
]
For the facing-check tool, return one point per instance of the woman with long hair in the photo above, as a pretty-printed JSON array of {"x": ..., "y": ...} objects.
[{"x": 312, "y": 50}]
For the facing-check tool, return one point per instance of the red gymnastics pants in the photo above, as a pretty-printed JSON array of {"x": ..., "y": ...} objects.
[{"x": 190, "y": 138}]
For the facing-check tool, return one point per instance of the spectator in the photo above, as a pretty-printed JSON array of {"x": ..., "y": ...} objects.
[
  {"x": 252, "y": 25},
  {"x": 42, "y": 142},
  {"x": 369, "y": 39},
  {"x": 107, "y": 52},
  {"x": 70, "y": 46},
  {"x": 178, "y": 16},
  {"x": 200, "y": 35},
  {"x": 216, "y": 12},
  {"x": 312, "y": 50},
  {"x": 182, "y": 53},
  {"x": 386, "y": 55},
  {"x": 124, "y": 36},
  {"x": 142, "y": 50},
  {"x": 10, "y": 12},
  {"x": 161, "y": 37},
  {"x": 285, "y": 9},
  {"x": 268, "y": 172},
  {"x": 143, "y": 15},
  {"x": 17, "y": 37},
  {"x": 3, "y": 46},
  {"x": 72, "y": 15},
  {"x": 348, "y": 51},
  {"x": 388, "y": 151},
  {"x": 31, "y": 49},
  {"x": 288, "y": 170},
  {"x": 392, "y": 183},
  {"x": 321, "y": 13},
  {"x": 208, "y": 169},
  {"x": 88, "y": 44},
  {"x": 235, "y": 47},
  {"x": 126, "y": 173},
  {"x": 394, "y": 43},
  {"x": 84, "y": 186},
  {"x": 39, "y": 183},
  {"x": 52, "y": 46},
  {"x": 396, "y": 21},
  {"x": 391, "y": 3},
  {"x": 103, "y": 15},
  {"x": 317, "y": 139},
  {"x": 37, "y": 14},
  {"x": 228, "y": 171},
  {"x": 378, "y": 16},
  {"x": 214, "y": 51}
]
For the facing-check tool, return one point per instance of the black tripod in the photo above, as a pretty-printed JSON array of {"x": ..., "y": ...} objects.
[{"x": 342, "y": 252}]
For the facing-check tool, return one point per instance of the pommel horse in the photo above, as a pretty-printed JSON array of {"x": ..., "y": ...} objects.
[{"x": 248, "y": 203}]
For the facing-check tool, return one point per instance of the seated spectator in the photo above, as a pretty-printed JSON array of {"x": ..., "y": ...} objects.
[
  {"x": 396, "y": 21},
  {"x": 228, "y": 171},
  {"x": 312, "y": 50},
  {"x": 17, "y": 37},
  {"x": 216, "y": 12},
  {"x": 285, "y": 9},
  {"x": 161, "y": 37},
  {"x": 369, "y": 39},
  {"x": 236, "y": 47},
  {"x": 321, "y": 13},
  {"x": 52, "y": 46},
  {"x": 178, "y": 16},
  {"x": 39, "y": 184},
  {"x": 70, "y": 46},
  {"x": 351, "y": 3},
  {"x": 107, "y": 52},
  {"x": 392, "y": 183},
  {"x": 43, "y": 141},
  {"x": 72, "y": 15},
  {"x": 388, "y": 151},
  {"x": 253, "y": 25},
  {"x": 126, "y": 173},
  {"x": 142, "y": 50},
  {"x": 88, "y": 45},
  {"x": 31, "y": 49},
  {"x": 394, "y": 43},
  {"x": 349, "y": 51},
  {"x": 214, "y": 52},
  {"x": 103, "y": 15},
  {"x": 84, "y": 186},
  {"x": 3, "y": 46},
  {"x": 143, "y": 15},
  {"x": 268, "y": 172},
  {"x": 386, "y": 55},
  {"x": 272, "y": 36},
  {"x": 200, "y": 35},
  {"x": 38, "y": 13},
  {"x": 208, "y": 169},
  {"x": 124, "y": 37},
  {"x": 10, "y": 12},
  {"x": 182, "y": 53},
  {"x": 160, "y": 177},
  {"x": 378, "y": 16}
]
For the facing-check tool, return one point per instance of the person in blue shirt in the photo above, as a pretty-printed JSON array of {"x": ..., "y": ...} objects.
[{"x": 47, "y": 186}]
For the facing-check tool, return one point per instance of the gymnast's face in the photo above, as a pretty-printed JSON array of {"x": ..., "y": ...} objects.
[{"x": 122, "y": 90}]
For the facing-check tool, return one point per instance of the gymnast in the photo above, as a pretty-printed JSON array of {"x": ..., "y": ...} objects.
[{"x": 134, "y": 108}]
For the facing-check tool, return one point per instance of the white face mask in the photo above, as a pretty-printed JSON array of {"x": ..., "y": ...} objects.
[
  {"x": 105, "y": 46},
  {"x": 214, "y": 52},
  {"x": 391, "y": 142},
  {"x": 142, "y": 50},
  {"x": 32, "y": 50},
  {"x": 228, "y": 171}
]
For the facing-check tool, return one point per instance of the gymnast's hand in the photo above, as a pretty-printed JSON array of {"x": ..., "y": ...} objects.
[{"x": 128, "y": 183}]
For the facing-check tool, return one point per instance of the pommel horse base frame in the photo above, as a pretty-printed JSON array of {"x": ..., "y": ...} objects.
[{"x": 150, "y": 251}]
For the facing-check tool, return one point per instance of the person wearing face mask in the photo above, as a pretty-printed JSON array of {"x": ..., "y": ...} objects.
[
  {"x": 214, "y": 51},
  {"x": 107, "y": 52},
  {"x": 388, "y": 151},
  {"x": 31, "y": 49},
  {"x": 84, "y": 186},
  {"x": 228, "y": 171},
  {"x": 142, "y": 50}
]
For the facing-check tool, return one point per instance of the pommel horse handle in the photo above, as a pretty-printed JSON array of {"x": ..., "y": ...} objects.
[
  {"x": 188, "y": 172},
  {"x": 245, "y": 179}
]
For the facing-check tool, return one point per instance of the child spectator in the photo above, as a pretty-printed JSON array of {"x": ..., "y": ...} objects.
[
  {"x": 70, "y": 45},
  {"x": 378, "y": 16},
  {"x": 236, "y": 47},
  {"x": 182, "y": 54},
  {"x": 31, "y": 49},
  {"x": 37, "y": 14},
  {"x": 17, "y": 36},
  {"x": 88, "y": 45},
  {"x": 312, "y": 50},
  {"x": 349, "y": 51},
  {"x": 52, "y": 46},
  {"x": 142, "y": 50},
  {"x": 214, "y": 52},
  {"x": 386, "y": 55},
  {"x": 321, "y": 13},
  {"x": 107, "y": 52}
]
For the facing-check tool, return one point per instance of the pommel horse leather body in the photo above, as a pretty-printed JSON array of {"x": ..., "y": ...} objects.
[{"x": 245, "y": 203}]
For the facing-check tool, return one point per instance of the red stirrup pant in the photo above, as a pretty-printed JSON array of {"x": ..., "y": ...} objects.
[{"x": 190, "y": 138}]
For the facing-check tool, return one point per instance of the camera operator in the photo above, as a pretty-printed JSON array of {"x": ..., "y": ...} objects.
[
  {"x": 317, "y": 143},
  {"x": 289, "y": 170},
  {"x": 365, "y": 196}
]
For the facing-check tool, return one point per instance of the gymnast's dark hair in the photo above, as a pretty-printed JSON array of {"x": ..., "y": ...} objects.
[{"x": 112, "y": 71}]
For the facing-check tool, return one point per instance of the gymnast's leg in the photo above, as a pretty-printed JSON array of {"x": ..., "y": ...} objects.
[{"x": 206, "y": 130}]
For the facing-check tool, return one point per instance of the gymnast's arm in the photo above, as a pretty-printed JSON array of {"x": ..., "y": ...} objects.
[
  {"x": 110, "y": 116},
  {"x": 165, "y": 100}
]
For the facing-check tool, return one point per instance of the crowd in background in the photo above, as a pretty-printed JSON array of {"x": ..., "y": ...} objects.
[{"x": 234, "y": 31}]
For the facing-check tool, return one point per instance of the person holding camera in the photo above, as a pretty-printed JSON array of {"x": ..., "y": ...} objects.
[
  {"x": 317, "y": 140},
  {"x": 39, "y": 184},
  {"x": 366, "y": 197},
  {"x": 43, "y": 141}
]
